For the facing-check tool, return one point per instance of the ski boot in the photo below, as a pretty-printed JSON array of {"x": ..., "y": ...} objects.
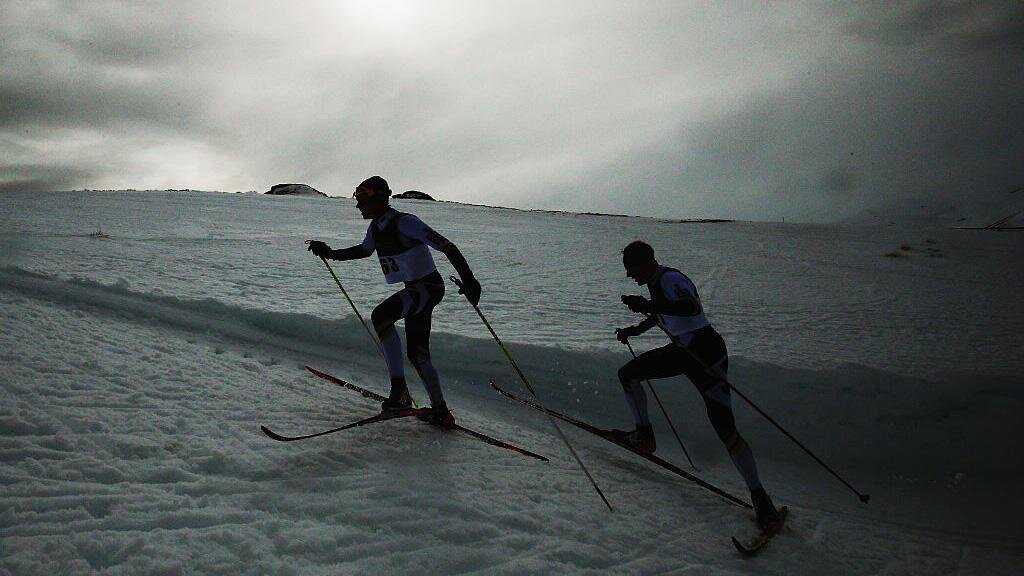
[
  {"x": 397, "y": 401},
  {"x": 768, "y": 517},
  {"x": 439, "y": 416},
  {"x": 642, "y": 439}
]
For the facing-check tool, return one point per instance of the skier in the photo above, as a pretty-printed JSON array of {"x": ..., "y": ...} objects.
[
  {"x": 401, "y": 241},
  {"x": 696, "y": 350}
]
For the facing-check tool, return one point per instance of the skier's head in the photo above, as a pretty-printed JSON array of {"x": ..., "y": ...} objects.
[
  {"x": 638, "y": 259},
  {"x": 372, "y": 197}
]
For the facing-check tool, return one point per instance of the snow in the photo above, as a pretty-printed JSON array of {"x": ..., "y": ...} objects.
[{"x": 135, "y": 372}]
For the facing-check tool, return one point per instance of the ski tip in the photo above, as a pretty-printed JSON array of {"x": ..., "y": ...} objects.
[
  {"x": 273, "y": 435},
  {"x": 744, "y": 550}
]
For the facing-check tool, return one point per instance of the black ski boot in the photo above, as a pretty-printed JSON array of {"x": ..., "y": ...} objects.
[
  {"x": 768, "y": 518},
  {"x": 642, "y": 439},
  {"x": 397, "y": 401},
  {"x": 439, "y": 416}
]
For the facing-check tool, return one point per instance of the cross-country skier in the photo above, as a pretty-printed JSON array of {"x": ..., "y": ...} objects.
[
  {"x": 401, "y": 241},
  {"x": 696, "y": 350}
]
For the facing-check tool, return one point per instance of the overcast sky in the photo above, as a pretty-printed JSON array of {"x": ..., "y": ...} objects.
[{"x": 714, "y": 109}]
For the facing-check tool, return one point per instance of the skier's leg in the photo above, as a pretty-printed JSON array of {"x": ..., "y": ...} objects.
[
  {"x": 658, "y": 363},
  {"x": 718, "y": 401},
  {"x": 417, "y": 332},
  {"x": 384, "y": 317},
  {"x": 717, "y": 398},
  {"x": 708, "y": 367}
]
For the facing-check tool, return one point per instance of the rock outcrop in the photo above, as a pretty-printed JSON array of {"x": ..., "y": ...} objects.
[
  {"x": 414, "y": 195},
  {"x": 294, "y": 190}
]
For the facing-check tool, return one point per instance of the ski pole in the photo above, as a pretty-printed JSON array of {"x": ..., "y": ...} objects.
[
  {"x": 863, "y": 497},
  {"x": 526, "y": 382},
  {"x": 354, "y": 309},
  {"x": 715, "y": 372},
  {"x": 664, "y": 412},
  {"x": 380, "y": 349}
]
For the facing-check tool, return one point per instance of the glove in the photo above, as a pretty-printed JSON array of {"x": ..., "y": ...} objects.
[
  {"x": 638, "y": 304},
  {"x": 624, "y": 334},
  {"x": 319, "y": 249},
  {"x": 471, "y": 288}
]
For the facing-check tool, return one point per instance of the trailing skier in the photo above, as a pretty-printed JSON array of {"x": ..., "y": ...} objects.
[
  {"x": 697, "y": 351},
  {"x": 402, "y": 243}
]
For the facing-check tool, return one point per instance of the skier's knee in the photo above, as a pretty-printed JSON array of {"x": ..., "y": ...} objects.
[
  {"x": 717, "y": 391},
  {"x": 735, "y": 443},
  {"x": 382, "y": 321},
  {"x": 626, "y": 377},
  {"x": 728, "y": 434},
  {"x": 628, "y": 386}
]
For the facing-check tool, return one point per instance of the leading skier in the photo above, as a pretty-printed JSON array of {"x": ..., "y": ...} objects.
[
  {"x": 696, "y": 350},
  {"x": 401, "y": 241}
]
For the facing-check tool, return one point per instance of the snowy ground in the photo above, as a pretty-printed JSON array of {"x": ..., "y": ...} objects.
[{"x": 129, "y": 443}]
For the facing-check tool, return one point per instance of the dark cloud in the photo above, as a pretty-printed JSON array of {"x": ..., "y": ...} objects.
[
  {"x": 974, "y": 25},
  {"x": 839, "y": 141},
  {"x": 91, "y": 101},
  {"x": 41, "y": 177}
]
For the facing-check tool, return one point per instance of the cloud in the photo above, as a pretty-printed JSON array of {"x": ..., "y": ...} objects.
[
  {"x": 860, "y": 128},
  {"x": 971, "y": 25},
  {"x": 801, "y": 110},
  {"x": 41, "y": 177}
]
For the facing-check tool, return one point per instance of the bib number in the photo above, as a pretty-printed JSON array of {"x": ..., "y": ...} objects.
[{"x": 389, "y": 265}]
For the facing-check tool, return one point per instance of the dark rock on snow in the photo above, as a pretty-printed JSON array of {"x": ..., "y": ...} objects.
[
  {"x": 294, "y": 190},
  {"x": 414, "y": 195}
]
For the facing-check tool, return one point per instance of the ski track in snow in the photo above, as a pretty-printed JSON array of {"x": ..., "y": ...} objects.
[{"x": 129, "y": 443}]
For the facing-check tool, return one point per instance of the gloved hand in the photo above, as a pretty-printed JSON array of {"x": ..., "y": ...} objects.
[
  {"x": 624, "y": 334},
  {"x": 471, "y": 288},
  {"x": 638, "y": 304},
  {"x": 320, "y": 249}
]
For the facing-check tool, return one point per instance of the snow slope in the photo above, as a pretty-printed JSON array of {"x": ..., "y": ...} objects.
[
  {"x": 130, "y": 441},
  {"x": 135, "y": 373}
]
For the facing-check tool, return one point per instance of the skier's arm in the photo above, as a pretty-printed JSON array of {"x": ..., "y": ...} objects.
[
  {"x": 351, "y": 253},
  {"x": 458, "y": 262},
  {"x": 413, "y": 227},
  {"x": 646, "y": 324},
  {"x": 624, "y": 334}
]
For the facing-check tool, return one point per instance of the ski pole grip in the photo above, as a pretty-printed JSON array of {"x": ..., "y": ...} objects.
[{"x": 456, "y": 281}]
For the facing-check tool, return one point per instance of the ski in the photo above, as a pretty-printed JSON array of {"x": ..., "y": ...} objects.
[
  {"x": 371, "y": 420},
  {"x": 469, "y": 432},
  {"x": 335, "y": 380},
  {"x": 602, "y": 433},
  {"x": 758, "y": 543}
]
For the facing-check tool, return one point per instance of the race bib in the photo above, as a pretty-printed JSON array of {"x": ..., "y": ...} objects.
[
  {"x": 389, "y": 265},
  {"x": 416, "y": 262}
]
